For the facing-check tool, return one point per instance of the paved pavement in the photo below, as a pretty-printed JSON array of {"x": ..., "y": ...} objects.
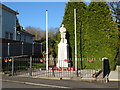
[
  {"x": 114, "y": 76},
  {"x": 65, "y": 84}
]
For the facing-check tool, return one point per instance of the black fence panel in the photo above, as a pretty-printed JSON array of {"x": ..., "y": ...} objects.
[
  {"x": 4, "y": 49},
  {"x": 15, "y": 49},
  {"x": 37, "y": 49},
  {"x": 27, "y": 49}
]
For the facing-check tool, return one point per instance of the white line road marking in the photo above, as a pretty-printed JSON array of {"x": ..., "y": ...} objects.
[{"x": 36, "y": 84}]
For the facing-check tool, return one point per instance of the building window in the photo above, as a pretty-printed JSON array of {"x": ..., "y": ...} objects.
[
  {"x": 11, "y": 36},
  {"x": 6, "y": 35}
]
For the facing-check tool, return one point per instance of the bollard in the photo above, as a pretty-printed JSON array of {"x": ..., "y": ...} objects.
[{"x": 106, "y": 68}]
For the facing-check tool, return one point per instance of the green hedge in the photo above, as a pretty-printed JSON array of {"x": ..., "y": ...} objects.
[{"x": 97, "y": 33}]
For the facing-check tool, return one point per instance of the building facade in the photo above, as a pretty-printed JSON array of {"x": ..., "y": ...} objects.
[
  {"x": 15, "y": 42},
  {"x": 8, "y": 23},
  {"x": 24, "y": 36}
]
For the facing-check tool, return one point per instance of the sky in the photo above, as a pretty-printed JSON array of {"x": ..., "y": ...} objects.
[{"x": 34, "y": 13}]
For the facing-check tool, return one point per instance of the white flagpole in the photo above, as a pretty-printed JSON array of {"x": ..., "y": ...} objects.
[
  {"x": 75, "y": 40},
  {"x": 46, "y": 39}
]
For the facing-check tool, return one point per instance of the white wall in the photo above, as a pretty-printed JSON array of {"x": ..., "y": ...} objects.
[{"x": 8, "y": 23}]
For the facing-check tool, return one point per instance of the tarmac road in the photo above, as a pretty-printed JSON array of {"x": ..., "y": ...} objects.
[
  {"x": 26, "y": 82},
  {"x": 19, "y": 85}
]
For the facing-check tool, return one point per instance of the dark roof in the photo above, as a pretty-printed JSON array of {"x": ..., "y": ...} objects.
[
  {"x": 8, "y": 9},
  {"x": 4, "y": 40}
]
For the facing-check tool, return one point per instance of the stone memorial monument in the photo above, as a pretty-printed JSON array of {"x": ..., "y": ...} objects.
[{"x": 63, "y": 49}]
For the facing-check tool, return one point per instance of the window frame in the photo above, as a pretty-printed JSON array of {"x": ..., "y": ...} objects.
[
  {"x": 6, "y": 35},
  {"x": 11, "y": 34}
]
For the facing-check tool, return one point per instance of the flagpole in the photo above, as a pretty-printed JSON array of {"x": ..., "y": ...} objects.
[
  {"x": 75, "y": 40},
  {"x": 46, "y": 39}
]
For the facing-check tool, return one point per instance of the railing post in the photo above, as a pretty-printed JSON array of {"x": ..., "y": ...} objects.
[
  {"x": 12, "y": 66},
  {"x": 22, "y": 48},
  {"x": 33, "y": 48},
  {"x": 53, "y": 72},
  {"x": 8, "y": 49},
  {"x": 30, "y": 70},
  {"x": 77, "y": 72}
]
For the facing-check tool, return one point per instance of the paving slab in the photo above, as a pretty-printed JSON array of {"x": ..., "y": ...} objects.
[{"x": 114, "y": 76}]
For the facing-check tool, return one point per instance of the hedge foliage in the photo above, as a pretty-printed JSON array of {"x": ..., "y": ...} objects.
[{"x": 97, "y": 33}]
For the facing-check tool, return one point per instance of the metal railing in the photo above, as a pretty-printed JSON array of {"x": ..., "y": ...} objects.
[{"x": 36, "y": 66}]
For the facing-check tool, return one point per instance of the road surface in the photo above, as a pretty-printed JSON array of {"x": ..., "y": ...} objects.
[{"x": 26, "y": 82}]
